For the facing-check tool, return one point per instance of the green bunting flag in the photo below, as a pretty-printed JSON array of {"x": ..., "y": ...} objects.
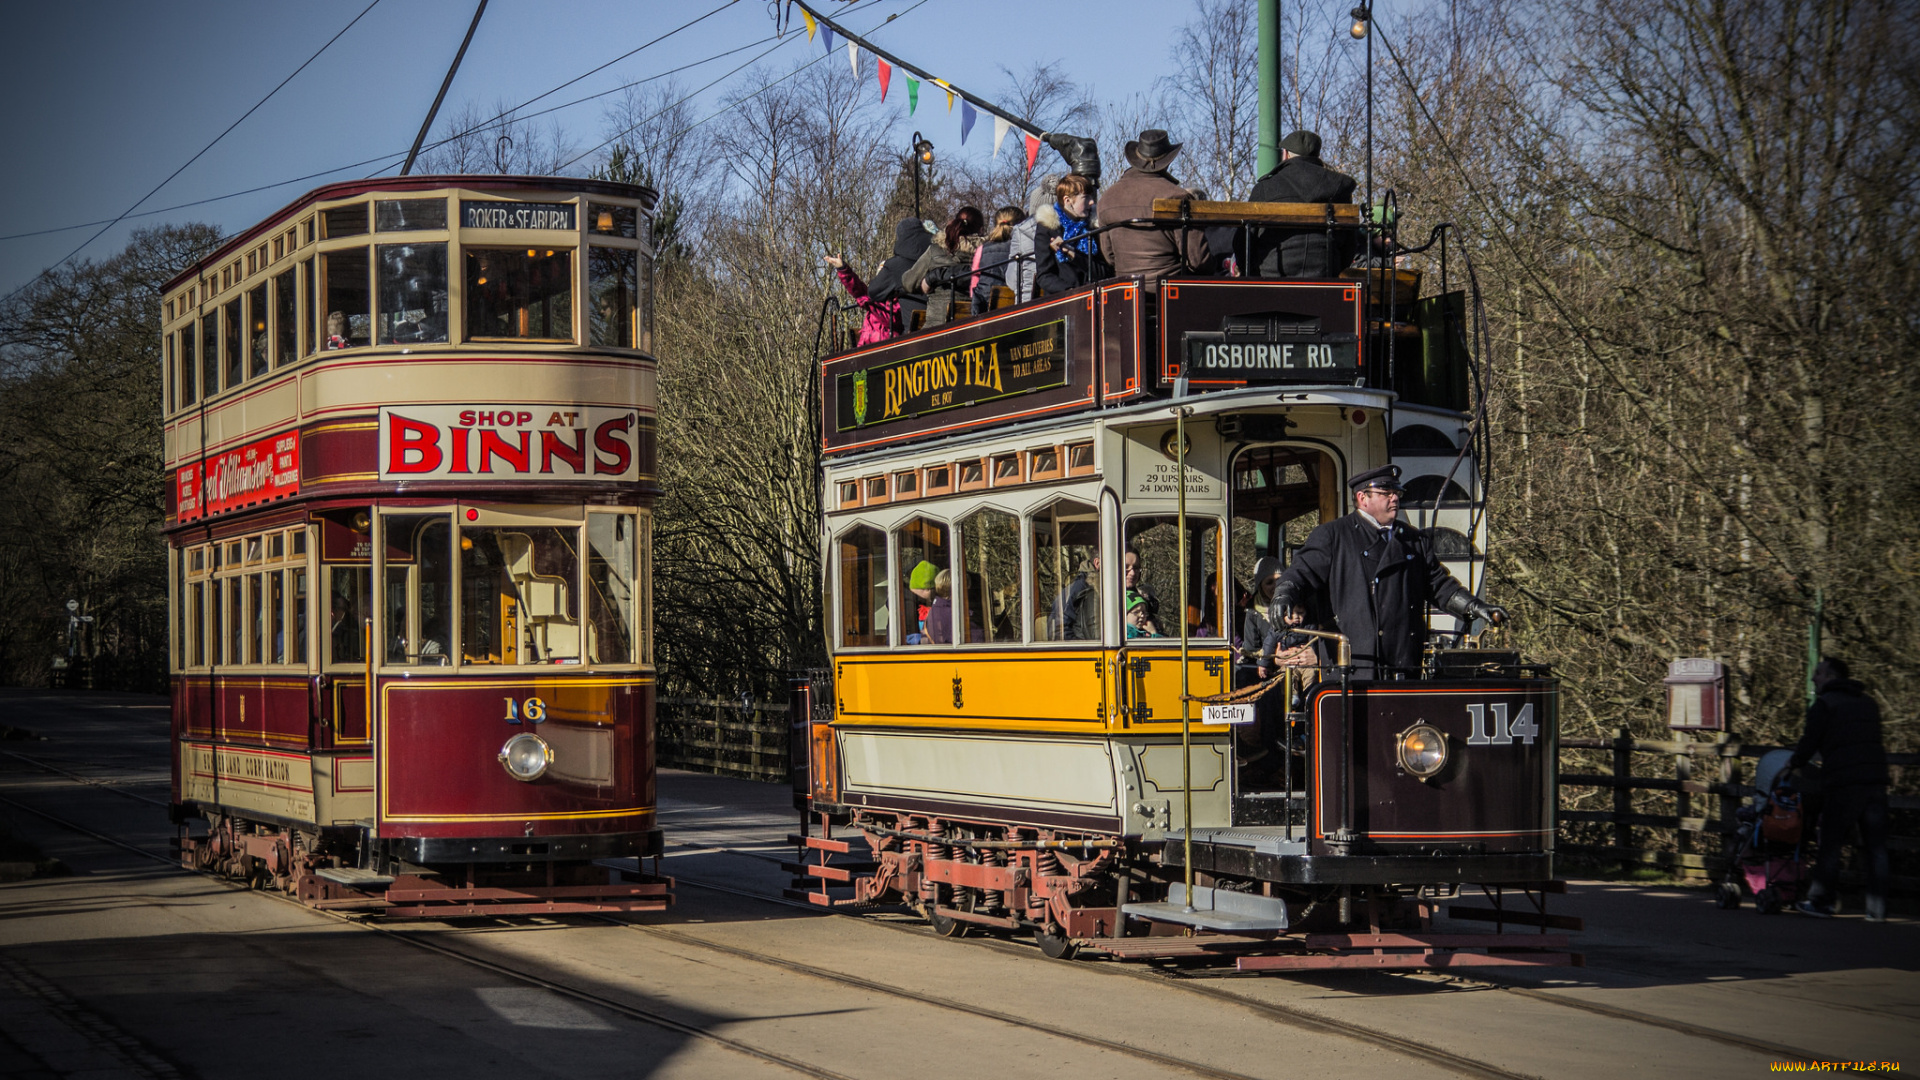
[{"x": 913, "y": 94}]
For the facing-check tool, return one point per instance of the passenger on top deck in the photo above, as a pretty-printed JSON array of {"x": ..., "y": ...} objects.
[
  {"x": 942, "y": 272},
  {"x": 1302, "y": 178},
  {"x": 1149, "y": 249},
  {"x": 1039, "y": 206},
  {"x": 883, "y": 316},
  {"x": 1068, "y": 257},
  {"x": 910, "y": 240},
  {"x": 991, "y": 265}
]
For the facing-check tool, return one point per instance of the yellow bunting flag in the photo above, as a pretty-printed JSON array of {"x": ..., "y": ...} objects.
[{"x": 811, "y": 25}]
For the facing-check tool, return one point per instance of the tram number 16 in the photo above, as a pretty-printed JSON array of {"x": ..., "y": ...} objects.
[
  {"x": 1503, "y": 734},
  {"x": 534, "y": 711}
]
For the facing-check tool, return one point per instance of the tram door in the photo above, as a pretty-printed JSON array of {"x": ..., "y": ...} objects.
[{"x": 1280, "y": 494}]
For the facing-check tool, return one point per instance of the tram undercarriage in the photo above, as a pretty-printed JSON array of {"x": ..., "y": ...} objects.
[{"x": 340, "y": 869}]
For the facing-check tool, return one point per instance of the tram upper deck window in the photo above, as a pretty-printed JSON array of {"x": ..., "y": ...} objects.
[
  {"x": 519, "y": 294},
  {"x": 1066, "y": 541},
  {"x": 413, "y": 292},
  {"x": 188, "y": 365},
  {"x": 864, "y": 603},
  {"x": 350, "y": 220},
  {"x": 518, "y": 600},
  {"x": 286, "y": 320},
  {"x": 346, "y": 300},
  {"x": 1156, "y": 538},
  {"x": 923, "y": 549},
  {"x": 210, "y": 352},
  {"x": 257, "y": 330},
  {"x": 609, "y": 220},
  {"x": 400, "y": 215},
  {"x": 419, "y": 589},
  {"x": 990, "y": 588},
  {"x": 613, "y": 277},
  {"x": 230, "y": 344}
]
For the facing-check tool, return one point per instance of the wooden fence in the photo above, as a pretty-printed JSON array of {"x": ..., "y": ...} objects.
[
  {"x": 1707, "y": 782},
  {"x": 742, "y": 738}
]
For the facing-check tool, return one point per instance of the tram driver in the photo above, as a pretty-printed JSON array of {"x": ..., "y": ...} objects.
[{"x": 1376, "y": 574}]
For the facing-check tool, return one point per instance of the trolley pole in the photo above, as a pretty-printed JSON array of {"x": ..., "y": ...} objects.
[
  {"x": 1269, "y": 91},
  {"x": 1186, "y": 702}
]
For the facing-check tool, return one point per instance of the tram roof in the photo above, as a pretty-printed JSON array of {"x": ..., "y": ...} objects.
[{"x": 348, "y": 188}]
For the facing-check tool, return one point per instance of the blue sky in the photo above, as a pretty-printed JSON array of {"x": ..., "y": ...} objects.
[{"x": 108, "y": 98}]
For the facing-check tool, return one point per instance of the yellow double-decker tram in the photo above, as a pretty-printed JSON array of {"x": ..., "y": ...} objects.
[
  {"x": 410, "y": 425},
  {"x": 1040, "y": 528}
]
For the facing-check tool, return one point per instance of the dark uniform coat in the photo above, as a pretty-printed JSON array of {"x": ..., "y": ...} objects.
[
  {"x": 1377, "y": 591},
  {"x": 1303, "y": 253}
]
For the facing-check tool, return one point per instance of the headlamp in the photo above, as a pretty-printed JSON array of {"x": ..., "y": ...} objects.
[
  {"x": 526, "y": 756},
  {"x": 1422, "y": 750}
]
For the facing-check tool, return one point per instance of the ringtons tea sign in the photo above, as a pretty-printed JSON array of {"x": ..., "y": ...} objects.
[{"x": 507, "y": 441}]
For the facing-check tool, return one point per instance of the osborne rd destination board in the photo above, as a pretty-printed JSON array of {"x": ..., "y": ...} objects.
[{"x": 1006, "y": 365}]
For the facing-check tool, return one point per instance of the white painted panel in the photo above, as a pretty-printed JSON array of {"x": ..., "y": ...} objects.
[{"x": 1038, "y": 773}]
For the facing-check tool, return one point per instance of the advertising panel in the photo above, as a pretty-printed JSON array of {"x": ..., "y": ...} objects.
[
  {"x": 509, "y": 441},
  {"x": 261, "y": 471}
]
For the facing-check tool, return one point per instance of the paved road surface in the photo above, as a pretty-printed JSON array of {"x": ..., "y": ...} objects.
[{"x": 131, "y": 967}]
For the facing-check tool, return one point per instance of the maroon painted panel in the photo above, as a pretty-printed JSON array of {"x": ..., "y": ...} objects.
[
  {"x": 264, "y": 710},
  {"x": 1203, "y": 304},
  {"x": 1122, "y": 339},
  {"x": 1495, "y": 791},
  {"x": 438, "y": 754}
]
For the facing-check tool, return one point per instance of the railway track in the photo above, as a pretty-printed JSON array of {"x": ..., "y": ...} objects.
[{"x": 1187, "y": 982}]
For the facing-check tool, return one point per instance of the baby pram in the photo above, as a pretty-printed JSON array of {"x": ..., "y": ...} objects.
[{"x": 1769, "y": 849}]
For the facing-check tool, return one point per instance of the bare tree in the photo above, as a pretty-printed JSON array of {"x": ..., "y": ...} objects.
[{"x": 478, "y": 141}]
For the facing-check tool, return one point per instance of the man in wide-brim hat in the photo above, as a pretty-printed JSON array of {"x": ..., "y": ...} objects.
[{"x": 1145, "y": 249}]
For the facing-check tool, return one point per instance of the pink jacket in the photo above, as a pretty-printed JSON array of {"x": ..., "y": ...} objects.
[{"x": 882, "y": 315}]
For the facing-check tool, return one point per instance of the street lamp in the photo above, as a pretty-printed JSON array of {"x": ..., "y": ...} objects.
[{"x": 922, "y": 156}]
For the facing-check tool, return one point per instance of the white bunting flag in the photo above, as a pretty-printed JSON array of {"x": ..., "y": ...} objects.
[
  {"x": 853, "y": 56},
  {"x": 1000, "y": 126}
]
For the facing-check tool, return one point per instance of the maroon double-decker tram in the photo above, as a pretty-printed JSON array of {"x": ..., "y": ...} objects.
[{"x": 410, "y": 426}]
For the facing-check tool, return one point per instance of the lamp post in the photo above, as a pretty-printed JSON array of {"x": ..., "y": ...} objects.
[{"x": 922, "y": 156}]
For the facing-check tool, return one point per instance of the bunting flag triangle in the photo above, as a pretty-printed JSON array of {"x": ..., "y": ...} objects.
[
  {"x": 826, "y": 36},
  {"x": 1033, "y": 150},
  {"x": 913, "y": 94},
  {"x": 949, "y": 101},
  {"x": 886, "y": 75},
  {"x": 811, "y": 25},
  {"x": 853, "y": 56},
  {"x": 1000, "y": 126},
  {"x": 967, "y": 117}
]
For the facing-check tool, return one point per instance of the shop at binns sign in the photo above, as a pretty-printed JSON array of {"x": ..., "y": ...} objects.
[
  {"x": 258, "y": 472},
  {"x": 509, "y": 441}
]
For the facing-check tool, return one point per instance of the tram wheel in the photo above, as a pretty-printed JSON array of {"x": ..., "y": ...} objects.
[
  {"x": 948, "y": 926},
  {"x": 1054, "y": 942}
]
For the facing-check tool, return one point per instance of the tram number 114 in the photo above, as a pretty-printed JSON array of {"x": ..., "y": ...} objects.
[
  {"x": 534, "y": 711},
  {"x": 1503, "y": 733}
]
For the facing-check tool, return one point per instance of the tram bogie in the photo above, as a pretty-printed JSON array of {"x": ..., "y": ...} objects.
[
  {"x": 411, "y": 422},
  {"x": 1037, "y": 521}
]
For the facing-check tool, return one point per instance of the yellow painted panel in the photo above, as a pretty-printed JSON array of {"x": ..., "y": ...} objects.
[
  {"x": 264, "y": 781},
  {"x": 1063, "y": 691},
  {"x": 1159, "y": 686}
]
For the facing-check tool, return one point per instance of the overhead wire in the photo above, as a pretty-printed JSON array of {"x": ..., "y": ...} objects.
[{"x": 198, "y": 155}]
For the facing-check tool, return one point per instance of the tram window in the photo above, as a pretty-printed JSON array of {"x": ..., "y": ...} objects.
[
  {"x": 230, "y": 344},
  {"x": 286, "y": 320},
  {"x": 253, "y": 548},
  {"x": 210, "y": 353},
  {"x": 645, "y": 280},
  {"x": 923, "y": 549},
  {"x": 276, "y": 545},
  {"x": 349, "y": 601},
  {"x": 399, "y": 215},
  {"x": 299, "y": 541},
  {"x": 257, "y": 330},
  {"x": 277, "y": 617},
  {"x": 187, "y": 363},
  {"x": 612, "y": 288},
  {"x": 256, "y": 618},
  {"x": 609, "y": 220},
  {"x": 344, "y": 220},
  {"x": 236, "y": 621},
  {"x": 299, "y": 620},
  {"x": 863, "y": 587},
  {"x": 1066, "y": 541},
  {"x": 213, "y": 632},
  {"x": 1280, "y": 495},
  {"x": 517, "y": 595},
  {"x": 313, "y": 327},
  {"x": 419, "y": 589},
  {"x": 1157, "y": 540},
  {"x": 197, "y": 621},
  {"x": 346, "y": 300},
  {"x": 520, "y": 293},
  {"x": 413, "y": 292},
  {"x": 169, "y": 366},
  {"x": 990, "y": 550},
  {"x": 611, "y": 585}
]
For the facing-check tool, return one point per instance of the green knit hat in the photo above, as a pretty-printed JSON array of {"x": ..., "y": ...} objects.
[{"x": 922, "y": 576}]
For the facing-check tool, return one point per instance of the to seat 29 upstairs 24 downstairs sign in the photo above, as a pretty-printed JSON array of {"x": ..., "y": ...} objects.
[{"x": 509, "y": 441}]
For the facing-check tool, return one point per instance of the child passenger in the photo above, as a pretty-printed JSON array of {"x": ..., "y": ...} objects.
[
  {"x": 882, "y": 316},
  {"x": 990, "y": 268}
]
